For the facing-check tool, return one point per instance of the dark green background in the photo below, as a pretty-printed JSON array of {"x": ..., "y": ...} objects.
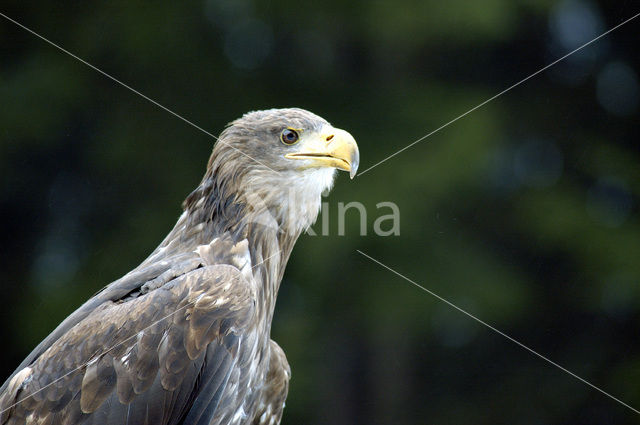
[{"x": 524, "y": 212}]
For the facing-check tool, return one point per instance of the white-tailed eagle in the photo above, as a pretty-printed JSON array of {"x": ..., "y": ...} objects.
[{"x": 184, "y": 338}]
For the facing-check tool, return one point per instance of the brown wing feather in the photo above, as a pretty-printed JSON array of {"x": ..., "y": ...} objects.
[
  {"x": 271, "y": 406},
  {"x": 130, "y": 347},
  {"x": 152, "y": 268}
]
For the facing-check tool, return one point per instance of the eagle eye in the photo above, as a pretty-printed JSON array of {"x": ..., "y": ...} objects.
[{"x": 289, "y": 136}]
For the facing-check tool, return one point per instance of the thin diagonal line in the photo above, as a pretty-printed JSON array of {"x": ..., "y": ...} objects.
[
  {"x": 501, "y": 93},
  {"x": 94, "y": 358},
  {"x": 175, "y": 114},
  {"x": 498, "y": 331}
]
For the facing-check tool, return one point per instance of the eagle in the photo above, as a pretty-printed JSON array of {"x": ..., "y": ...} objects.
[{"x": 184, "y": 338}]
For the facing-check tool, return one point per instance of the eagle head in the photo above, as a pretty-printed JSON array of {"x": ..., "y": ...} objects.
[{"x": 274, "y": 165}]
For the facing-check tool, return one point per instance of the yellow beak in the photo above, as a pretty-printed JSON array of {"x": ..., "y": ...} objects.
[{"x": 330, "y": 147}]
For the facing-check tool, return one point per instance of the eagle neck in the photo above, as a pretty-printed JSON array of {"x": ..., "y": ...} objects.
[{"x": 214, "y": 210}]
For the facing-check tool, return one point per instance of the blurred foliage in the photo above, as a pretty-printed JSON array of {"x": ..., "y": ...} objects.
[{"x": 524, "y": 212}]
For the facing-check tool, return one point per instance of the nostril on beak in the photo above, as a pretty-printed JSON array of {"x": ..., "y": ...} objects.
[{"x": 329, "y": 138}]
